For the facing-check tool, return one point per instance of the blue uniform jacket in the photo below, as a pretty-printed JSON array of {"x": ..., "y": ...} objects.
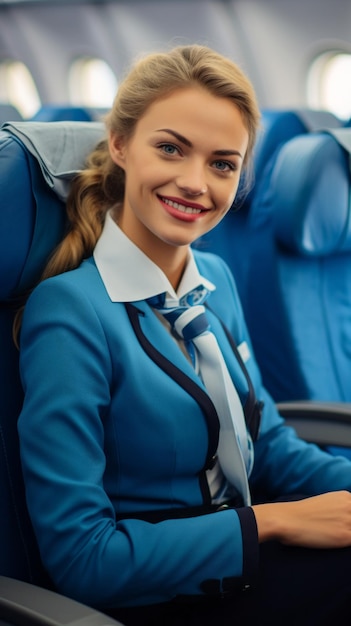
[{"x": 115, "y": 421}]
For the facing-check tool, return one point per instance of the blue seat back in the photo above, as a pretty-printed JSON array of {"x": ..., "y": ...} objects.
[
  {"x": 299, "y": 276},
  {"x": 231, "y": 239},
  {"x": 32, "y": 222},
  {"x": 60, "y": 113},
  {"x": 19, "y": 556}
]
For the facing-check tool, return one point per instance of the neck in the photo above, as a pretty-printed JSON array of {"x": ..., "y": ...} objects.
[
  {"x": 171, "y": 262},
  {"x": 171, "y": 259}
]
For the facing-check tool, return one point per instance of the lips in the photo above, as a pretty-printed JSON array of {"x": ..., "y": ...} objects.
[
  {"x": 178, "y": 208},
  {"x": 181, "y": 207}
]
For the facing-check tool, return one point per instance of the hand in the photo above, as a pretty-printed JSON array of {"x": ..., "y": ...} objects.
[{"x": 317, "y": 522}]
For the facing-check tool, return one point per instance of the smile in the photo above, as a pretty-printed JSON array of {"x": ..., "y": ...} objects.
[{"x": 181, "y": 207}]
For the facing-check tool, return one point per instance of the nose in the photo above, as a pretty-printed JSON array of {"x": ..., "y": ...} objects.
[{"x": 192, "y": 180}]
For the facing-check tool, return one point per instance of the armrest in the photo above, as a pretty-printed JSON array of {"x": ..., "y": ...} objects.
[
  {"x": 324, "y": 423},
  {"x": 23, "y": 604}
]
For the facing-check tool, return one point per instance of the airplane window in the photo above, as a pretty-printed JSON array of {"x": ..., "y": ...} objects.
[
  {"x": 17, "y": 88},
  {"x": 328, "y": 85},
  {"x": 92, "y": 83}
]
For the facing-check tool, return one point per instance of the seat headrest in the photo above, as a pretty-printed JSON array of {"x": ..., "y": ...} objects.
[
  {"x": 278, "y": 126},
  {"x": 59, "y": 147},
  {"x": 310, "y": 194}
]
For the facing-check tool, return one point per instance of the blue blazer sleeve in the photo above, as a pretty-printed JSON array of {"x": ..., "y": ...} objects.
[{"x": 70, "y": 376}]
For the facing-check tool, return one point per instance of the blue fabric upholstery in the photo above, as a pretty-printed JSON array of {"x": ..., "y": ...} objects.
[
  {"x": 60, "y": 113},
  {"x": 299, "y": 298},
  {"x": 32, "y": 221},
  {"x": 19, "y": 557},
  {"x": 231, "y": 239}
]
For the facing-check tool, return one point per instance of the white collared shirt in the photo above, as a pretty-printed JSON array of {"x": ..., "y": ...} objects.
[{"x": 129, "y": 275}]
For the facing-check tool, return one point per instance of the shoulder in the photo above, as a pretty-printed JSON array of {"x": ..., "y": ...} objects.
[
  {"x": 75, "y": 280},
  {"x": 70, "y": 293}
]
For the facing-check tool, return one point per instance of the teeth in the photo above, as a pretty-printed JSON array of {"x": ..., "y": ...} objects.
[{"x": 181, "y": 207}]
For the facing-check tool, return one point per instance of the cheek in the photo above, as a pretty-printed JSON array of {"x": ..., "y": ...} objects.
[{"x": 145, "y": 172}]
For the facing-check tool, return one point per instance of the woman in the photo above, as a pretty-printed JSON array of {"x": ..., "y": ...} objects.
[{"x": 133, "y": 497}]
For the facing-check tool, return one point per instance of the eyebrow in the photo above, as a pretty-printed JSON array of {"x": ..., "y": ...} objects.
[{"x": 188, "y": 143}]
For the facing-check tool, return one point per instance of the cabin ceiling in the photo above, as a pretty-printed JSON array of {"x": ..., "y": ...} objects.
[{"x": 59, "y": 2}]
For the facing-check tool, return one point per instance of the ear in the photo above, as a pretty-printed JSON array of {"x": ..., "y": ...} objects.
[{"x": 117, "y": 145}]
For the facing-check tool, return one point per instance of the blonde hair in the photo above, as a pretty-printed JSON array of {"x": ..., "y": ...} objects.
[{"x": 101, "y": 184}]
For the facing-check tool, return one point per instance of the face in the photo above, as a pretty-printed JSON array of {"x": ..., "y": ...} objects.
[{"x": 182, "y": 168}]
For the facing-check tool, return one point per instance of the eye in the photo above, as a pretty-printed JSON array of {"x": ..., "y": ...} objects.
[
  {"x": 224, "y": 166},
  {"x": 169, "y": 149}
]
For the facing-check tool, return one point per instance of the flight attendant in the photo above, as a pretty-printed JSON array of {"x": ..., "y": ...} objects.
[{"x": 163, "y": 486}]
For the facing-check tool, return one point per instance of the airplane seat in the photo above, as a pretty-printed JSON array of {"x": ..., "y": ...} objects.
[
  {"x": 37, "y": 162},
  {"x": 231, "y": 239},
  {"x": 8, "y": 112},
  {"x": 60, "y": 113},
  {"x": 32, "y": 221},
  {"x": 19, "y": 556},
  {"x": 299, "y": 276},
  {"x": 97, "y": 114}
]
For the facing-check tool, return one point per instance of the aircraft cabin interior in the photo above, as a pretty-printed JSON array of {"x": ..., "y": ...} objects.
[{"x": 287, "y": 241}]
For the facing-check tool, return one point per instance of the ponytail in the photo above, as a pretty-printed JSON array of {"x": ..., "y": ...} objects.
[{"x": 93, "y": 191}]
